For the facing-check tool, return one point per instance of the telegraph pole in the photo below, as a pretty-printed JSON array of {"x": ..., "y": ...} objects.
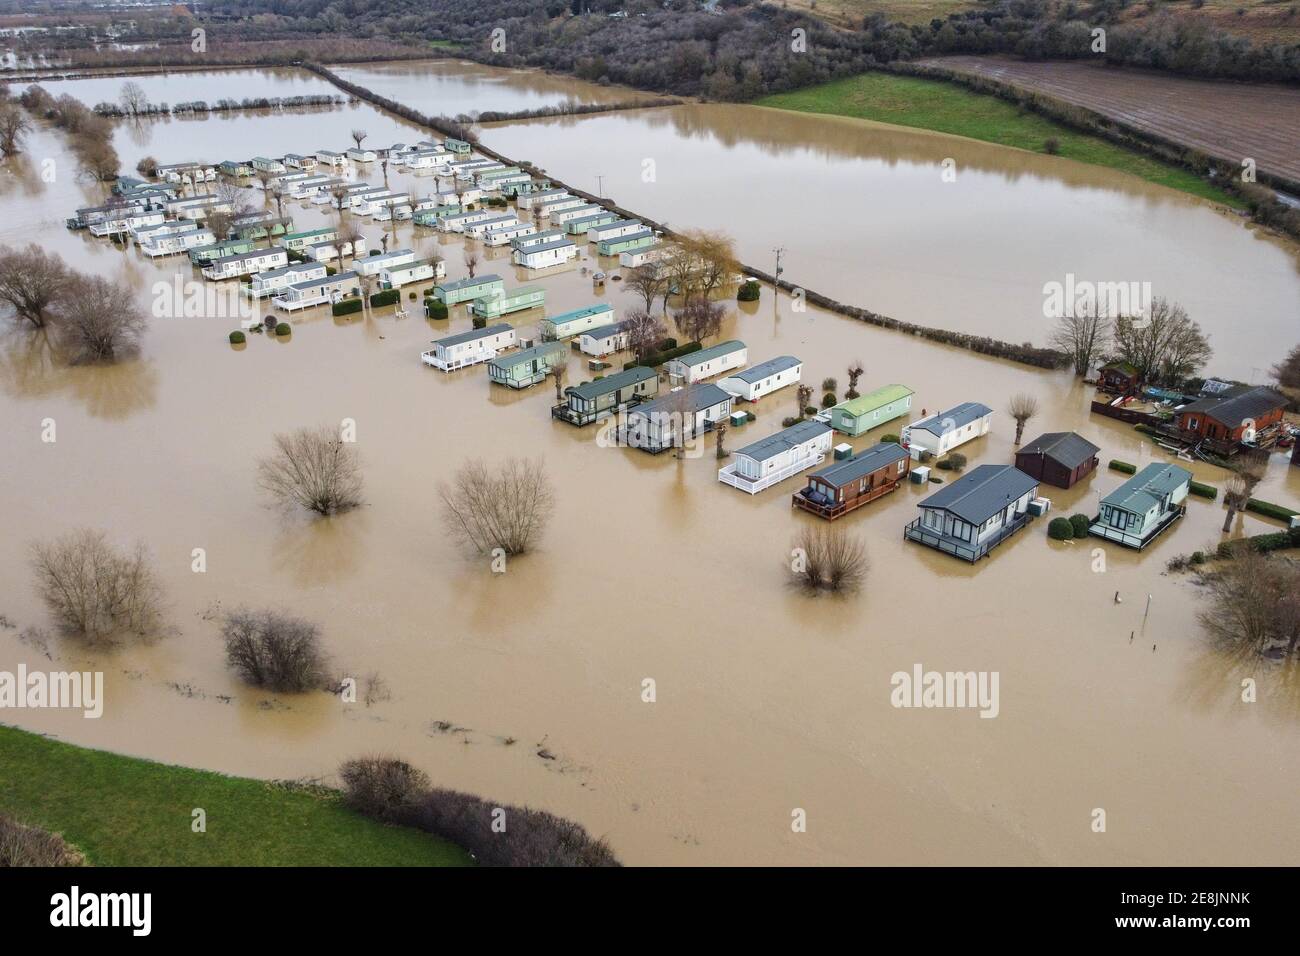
[
  {"x": 600, "y": 187},
  {"x": 776, "y": 279}
]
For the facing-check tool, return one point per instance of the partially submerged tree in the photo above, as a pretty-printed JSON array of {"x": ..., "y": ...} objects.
[
  {"x": 133, "y": 98},
  {"x": 274, "y": 651},
  {"x": 313, "y": 468},
  {"x": 98, "y": 320},
  {"x": 31, "y": 281},
  {"x": 1022, "y": 408},
  {"x": 471, "y": 261},
  {"x": 855, "y": 371},
  {"x": 648, "y": 281},
  {"x": 826, "y": 557},
  {"x": 645, "y": 332},
  {"x": 803, "y": 395},
  {"x": 699, "y": 319},
  {"x": 94, "y": 590},
  {"x": 1287, "y": 371},
  {"x": 720, "y": 435},
  {"x": 1084, "y": 338},
  {"x": 1247, "y": 472},
  {"x": 14, "y": 126},
  {"x": 1164, "y": 345},
  {"x": 1252, "y": 606},
  {"x": 504, "y": 506},
  {"x": 359, "y": 136}
]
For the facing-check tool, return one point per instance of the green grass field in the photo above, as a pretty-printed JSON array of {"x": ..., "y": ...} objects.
[
  {"x": 949, "y": 108},
  {"x": 121, "y": 811}
]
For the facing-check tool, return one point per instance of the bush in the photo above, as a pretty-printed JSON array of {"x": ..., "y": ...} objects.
[
  {"x": 436, "y": 309},
  {"x": 480, "y": 322},
  {"x": 830, "y": 385},
  {"x": 1060, "y": 529},
  {"x": 658, "y": 358},
  {"x": 957, "y": 460},
  {"x": 382, "y": 787},
  {"x": 21, "y": 845},
  {"x": 1198, "y": 557},
  {"x": 749, "y": 292},
  {"x": 1269, "y": 510},
  {"x": 1079, "y": 522},
  {"x": 890, "y": 439},
  {"x": 1203, "y": 490},
  {"x": 750, "y": 417},
  {"x": 828, "y": 400},
  {"x": 810, "y": 409},
  {"x": 274, "y": 651},
  {"x": 386, "y": 297},
  {"x": 411, "y": 296},
  {"x": 927, "y": 457},
  {"x": 94, "y": 591},
  {"x": 283, "y": 329},
  {"x": 1123, "y": 466},
  {"x": 1051, "y": 146},
  {"x": 788, "y": 421},
  {"x": 237, "y": 338},
  {"x": 346, "y": 307}
]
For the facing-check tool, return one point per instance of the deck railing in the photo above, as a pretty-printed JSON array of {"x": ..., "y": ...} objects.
[
  {"x": 841, "y": 508},
  {"x": 1131, "y": 540},
  {"x": 728, "y": 476},
  {"x": 917, "y": 532}
]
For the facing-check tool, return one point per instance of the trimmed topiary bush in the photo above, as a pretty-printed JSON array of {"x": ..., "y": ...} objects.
[
  {"x": 436, "y": 309},
  {"x": 237, "y": 338},
  {"x": 1079, "y": 522},
  {"x": 890, "y": 439},
  {"x": 1202, "y": 490},
  {"x": 749, "y": 292},
  {"x": 346, "y": 307},
  {"x": 1269, "y": 510},
  {"x": 386, "y": 297},
  {"x": 283, "y": 329},
  {"x": 1123, "y": 466},
  {"x": 828, "y": 400},
  {"x": 1060, "y": 529},
  {"x": 480, "y": 322}
]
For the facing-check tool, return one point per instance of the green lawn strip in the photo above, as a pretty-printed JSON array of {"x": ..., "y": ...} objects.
[
  {"x": 122, "y": 811},
  {"x": 948, "y": 108}
]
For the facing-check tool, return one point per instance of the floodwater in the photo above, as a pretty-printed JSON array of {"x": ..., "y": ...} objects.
[
  {"x": 767, "y": 701},
  {"x": 455, "y": 87},
  {"x": 864, "y": 215}
]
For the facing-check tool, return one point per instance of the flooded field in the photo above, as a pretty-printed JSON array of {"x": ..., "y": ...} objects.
[
  {"x": 185, "y": 86},
  {"x": 453, "y": 87},
  {"x": 767, "y": 700},
  {"x": 878, "y": 227}
]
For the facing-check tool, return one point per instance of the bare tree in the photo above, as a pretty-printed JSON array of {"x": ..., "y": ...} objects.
[
  {"x": 855, "y": 371},
  {"x": 358, "y": 136},
  {"x": 720, "y": 434},
  {"x": 23, "y": 845},
  {"x": 1247, "y": 472},
  {"x": 826, "y": 557},
  {"x": 644, "y": 332},
  {"x": 277, "y": 193},
  {"x": 94, "y": 590},
  {"x": 274, "y": 650},
  {"x": 1084, "y": 338},
  {"x": 31, "y": 280},
  {"x": 133, "y": 98},
  {"x": 98, "y": 159},
  {"x": 340, "y": 196},
  {"x": 647, "y": 280},
  {"x": 98, "y": 320},
  {"x": 314, "y": 469},
  {"x": 1253, "y": 606},
  {"x": 699, "y": 319},
  {"x": 505, "y": 507},
  {"x": 14, "y": 126},
  {"x": 1165, "y": 345},
  {"x": 803, "y": 395},
  {"x": 557, "y": 374},
  {"x": 471, "y": 261},
  {"x": 1287, "y": 371},
  {"x": 1022, "y": 408},
  {"x": 147, "y": 167}
]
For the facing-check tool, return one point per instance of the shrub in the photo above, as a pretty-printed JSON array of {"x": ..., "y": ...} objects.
[
  {"x": 1060, "y": 529},
  {"x": 1123, "y": 466},
  {"x": 830, "y": 385},
  {"x": 95, "y": 591},
  {"x": 1051, "y": 146},
  {"x": 927, "y": 457},
  {"x": 1198, "y": 557},
  {"x": 788, "y": 421},
  {"x": 283, "y": 329},
  {"x": 504, "y": 506},
  {"x": 21, "y": 845},
  {"x": 1269, "y": 510},
  {"x": 386, "y": 297},
  {"x": 891, "y": 439},
  {"x": 749, "y": 292},
  {"x": 436, "y": 309},
  {"x": 829, "y": 559},
  {"x": 944, "y": 465},
  {"x": 382, "y": 787},
  {"x": 1203, "y": 490},
  {"x": 480, "y": 322},
  {"x": 1079, "y": 522},
  {"x": 274, "y": 651},
  {"x": 810, "y": 409},
  {"x": 411, "y": 296},
  {"x": 313, "y": 468},
  {"x": 750, "y": 416},
  {"x": 346, "y": 307},
  {"x": 957, "y": 461},
  {"x": 828, "y": 400},
  {"x": 666, "y": 355},
  {"x": 237, "y": 337}
]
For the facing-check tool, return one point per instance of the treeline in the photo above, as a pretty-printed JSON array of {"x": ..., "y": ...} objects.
[
  {"x": 118, "y": 110},
  {"x": 89, "y": 136},
  {"x": 446, "y": 125},
  {"x": 571, "y": 109}
]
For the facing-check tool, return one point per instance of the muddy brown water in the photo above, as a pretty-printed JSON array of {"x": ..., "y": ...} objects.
[{"x": 766, "y": 701}]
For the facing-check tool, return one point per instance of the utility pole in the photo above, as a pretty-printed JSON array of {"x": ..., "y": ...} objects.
[
  {"x": 600, "y": 187},
  {"x": 776, "y": 281}
]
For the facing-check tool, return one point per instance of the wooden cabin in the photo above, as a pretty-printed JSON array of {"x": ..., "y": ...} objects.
[
  {"x": 847, "y": 485},
  {"x": 1234, "y": 416},
  {"x": 1058, "y": 458},
  {"x": 1119, "y": 377}
]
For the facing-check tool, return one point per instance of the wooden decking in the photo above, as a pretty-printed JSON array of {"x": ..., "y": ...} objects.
[{"x": 831, "y": 512}]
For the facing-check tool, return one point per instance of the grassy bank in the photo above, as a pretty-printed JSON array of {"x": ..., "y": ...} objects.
[
  {"x": 948, "y": 108},
  {"x": 121, "y": 811}
]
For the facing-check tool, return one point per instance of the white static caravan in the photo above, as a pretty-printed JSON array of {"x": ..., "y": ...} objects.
[
  {"x": 329, "y": 158},
  {"x": 639, "y": 257},
  {"x": 544, "y": 254},
  {"x": 764, "y": 378},
  {"x": 245, "y": 264},
  {"x": 296, "y": 161},
  {"x": 419, "y": 270},
  {"x": 174, "y": 243},
  {"x": 425, "y": 159},
  {"x": 130, "y": 218},
  {"x": 361, "y": 194},
  {"x": 671, "y": 419},
  {"x": 158, "y": 230},
  {"x": 465, "y": 197},
  {"x": 325, "y": 251},
  {"x": 943, "y": 431},
  {"x": 458, "y": 221},
  {"x": 374, "y": 202},
  {"x": 613, "y": 230},
  {"x": 288, "y": 179},
  {"x": 552, "y": 206},
  {"x": 577, "y": 212},
  {"x": 709, "y": 362},
  {"x": 373, "y": 265},
  {"x": 304, "y": 295},
  {"x": 470, "y": 348},
  {"x": 263, "y": 164},
  {"x": 476, "y": 229},
  {"x": 197, "y": 207},
  {"x": 359, "y": 155},
  {"x": 502, "y": 235},
  {"x": 777, "y": 457},
  {"x": 277, "y": 280},
  {"x": 528, "y": 200},
  {"x": 309, "y": 185},
  {"x": 604, "y": 340}
]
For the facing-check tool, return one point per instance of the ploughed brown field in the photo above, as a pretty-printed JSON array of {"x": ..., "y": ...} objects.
[{"x": 1224, "y": 119}]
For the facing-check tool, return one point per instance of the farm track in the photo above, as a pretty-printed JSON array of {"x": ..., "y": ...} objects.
[{"x": 1227, "y": 120}]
